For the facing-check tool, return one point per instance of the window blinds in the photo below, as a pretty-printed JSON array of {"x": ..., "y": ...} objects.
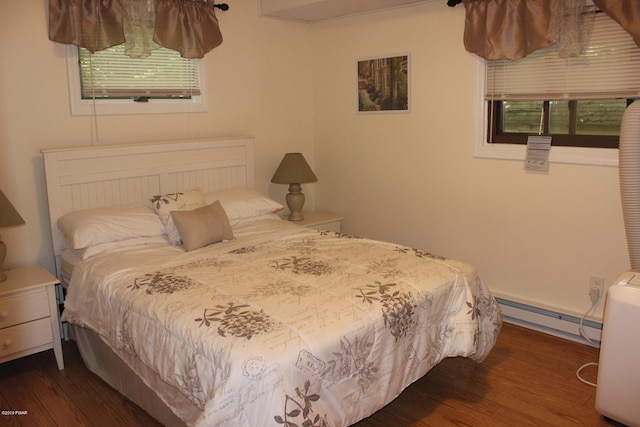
[
  {"x": 608, "y": 68},
  {"x": 111, "y": 73}
]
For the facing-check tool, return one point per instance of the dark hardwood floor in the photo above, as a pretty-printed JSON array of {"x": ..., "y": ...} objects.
[{"x": 529, "y": 379}]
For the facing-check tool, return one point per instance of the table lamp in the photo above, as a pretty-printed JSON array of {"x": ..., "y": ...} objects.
[
  {"x": 9, "y": 217},
  {"x": 294, "y": 170}
]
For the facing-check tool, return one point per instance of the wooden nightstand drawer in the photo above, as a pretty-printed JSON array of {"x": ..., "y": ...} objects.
[
  {"x": 25, "y": 336},
  {"x": 26, "y": 307}
]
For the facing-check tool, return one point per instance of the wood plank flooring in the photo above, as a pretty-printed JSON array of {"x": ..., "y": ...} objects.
[{"x": 527, "y": 380}]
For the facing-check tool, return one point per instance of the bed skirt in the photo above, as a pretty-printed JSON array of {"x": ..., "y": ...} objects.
[{"x": 103, "y": 362}]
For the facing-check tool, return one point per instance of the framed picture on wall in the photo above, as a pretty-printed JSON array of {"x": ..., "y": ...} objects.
[{"x": 383, "y": 84}]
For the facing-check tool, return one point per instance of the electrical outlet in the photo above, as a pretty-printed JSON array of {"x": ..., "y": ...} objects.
[{"x": 596, "y": 288}]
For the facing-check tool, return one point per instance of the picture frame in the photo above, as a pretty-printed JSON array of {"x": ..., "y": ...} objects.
[{"x": 383, "y": 84}]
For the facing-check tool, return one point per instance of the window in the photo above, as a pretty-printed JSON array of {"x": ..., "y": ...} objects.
[
  {"x": 577, "y": 123},
  {"x": 579, "y": 101},
  {"x": 114, "y": 83}
]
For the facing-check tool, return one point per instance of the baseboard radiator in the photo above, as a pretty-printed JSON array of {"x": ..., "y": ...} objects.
[{"x": 549, "y": 321}]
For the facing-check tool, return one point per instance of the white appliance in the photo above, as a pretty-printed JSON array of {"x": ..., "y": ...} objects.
[{"x": 618, "y": 386}]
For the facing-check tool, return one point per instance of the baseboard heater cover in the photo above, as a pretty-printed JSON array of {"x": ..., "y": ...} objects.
[{"x": 549, "y": 321}]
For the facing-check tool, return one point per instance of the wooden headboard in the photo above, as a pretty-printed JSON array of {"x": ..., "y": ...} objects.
[{"x": 112, "y": 175}]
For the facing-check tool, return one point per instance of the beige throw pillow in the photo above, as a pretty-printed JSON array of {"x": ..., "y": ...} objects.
[{"x": 202, "y": 226}]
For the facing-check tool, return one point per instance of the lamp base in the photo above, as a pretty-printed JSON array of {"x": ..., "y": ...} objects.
[
  {"x": 295, "y": 202},
  {"x": 3, "y": 254}
]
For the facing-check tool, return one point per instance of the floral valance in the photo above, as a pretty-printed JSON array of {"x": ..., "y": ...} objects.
[
  {"x": 512, "y": 29},
  {"x": 187, "y": 26}
]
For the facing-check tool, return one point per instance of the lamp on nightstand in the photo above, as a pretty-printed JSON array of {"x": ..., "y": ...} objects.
[
  {"x": 294, "y": 170},
  {"x": 9, "y": 217}
]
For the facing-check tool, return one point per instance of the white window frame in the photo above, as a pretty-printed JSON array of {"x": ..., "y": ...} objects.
[
  {"x": 85, "y": 107},
  {"x": 483, "y": 149}
]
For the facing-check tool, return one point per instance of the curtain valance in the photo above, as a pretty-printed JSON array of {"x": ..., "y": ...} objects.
[
  {"x": 626, "y": 13},
  {"x": 512, "y": 29},
  {"x": 506, "y": 29},
  {"x": 187, "y": 26}
]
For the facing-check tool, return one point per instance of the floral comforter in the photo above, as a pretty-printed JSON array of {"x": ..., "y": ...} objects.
[{"x": 285, "y": 325}]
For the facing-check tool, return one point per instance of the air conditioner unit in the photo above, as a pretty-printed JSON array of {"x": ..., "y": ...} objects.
[{"x": 618, "y": 386}]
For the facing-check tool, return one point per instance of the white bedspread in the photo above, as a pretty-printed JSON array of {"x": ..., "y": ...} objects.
[{"x": 285, "y": 324}]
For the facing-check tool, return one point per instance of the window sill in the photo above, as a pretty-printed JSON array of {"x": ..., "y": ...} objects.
[
  {"x": 573, "y": 155},
  {"x": 112, "y": 107}
]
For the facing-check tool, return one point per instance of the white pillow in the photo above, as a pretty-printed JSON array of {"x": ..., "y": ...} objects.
[
  {"x": 90, "y": 251},
  {"x": 90, "y": 227},
  {"x": 165, "y": 203},
  {"x": 243, "y": 203},
  {"x": 269, "y": 216}
]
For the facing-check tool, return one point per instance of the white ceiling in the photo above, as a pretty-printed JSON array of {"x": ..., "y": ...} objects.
[{"x": 316, "y": 10}]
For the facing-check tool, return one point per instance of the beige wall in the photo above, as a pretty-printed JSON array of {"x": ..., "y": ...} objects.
[
  {"x": 412, "y": 178},
  {"x": 259, "y": 84},
  {"x": 408, "y": 178}
]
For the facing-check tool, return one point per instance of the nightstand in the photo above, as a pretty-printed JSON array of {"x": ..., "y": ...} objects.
[
  {"x": 29, "y": 314},
  {"x": 320, "y": 221}
]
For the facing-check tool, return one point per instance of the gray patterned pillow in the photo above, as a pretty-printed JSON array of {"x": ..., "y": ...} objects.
[{"x": 165, "y": 203}]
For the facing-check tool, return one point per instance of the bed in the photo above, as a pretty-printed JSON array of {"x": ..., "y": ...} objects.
[{"x": 189, "y": 294}]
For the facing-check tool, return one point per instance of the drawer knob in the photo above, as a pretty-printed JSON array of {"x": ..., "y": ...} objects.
[
  {"x": 3, "y": 315},
  {"x": 7, "y": 343}
]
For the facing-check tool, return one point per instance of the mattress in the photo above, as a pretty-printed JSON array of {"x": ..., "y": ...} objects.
[
  {"x": 284, "y": 324},
  {"x": 68, "y": 261}
]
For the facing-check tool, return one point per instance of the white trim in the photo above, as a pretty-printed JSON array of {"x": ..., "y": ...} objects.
[
  {"x": 482, "y": 149},
  {"x": 80, "y": 107}
]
